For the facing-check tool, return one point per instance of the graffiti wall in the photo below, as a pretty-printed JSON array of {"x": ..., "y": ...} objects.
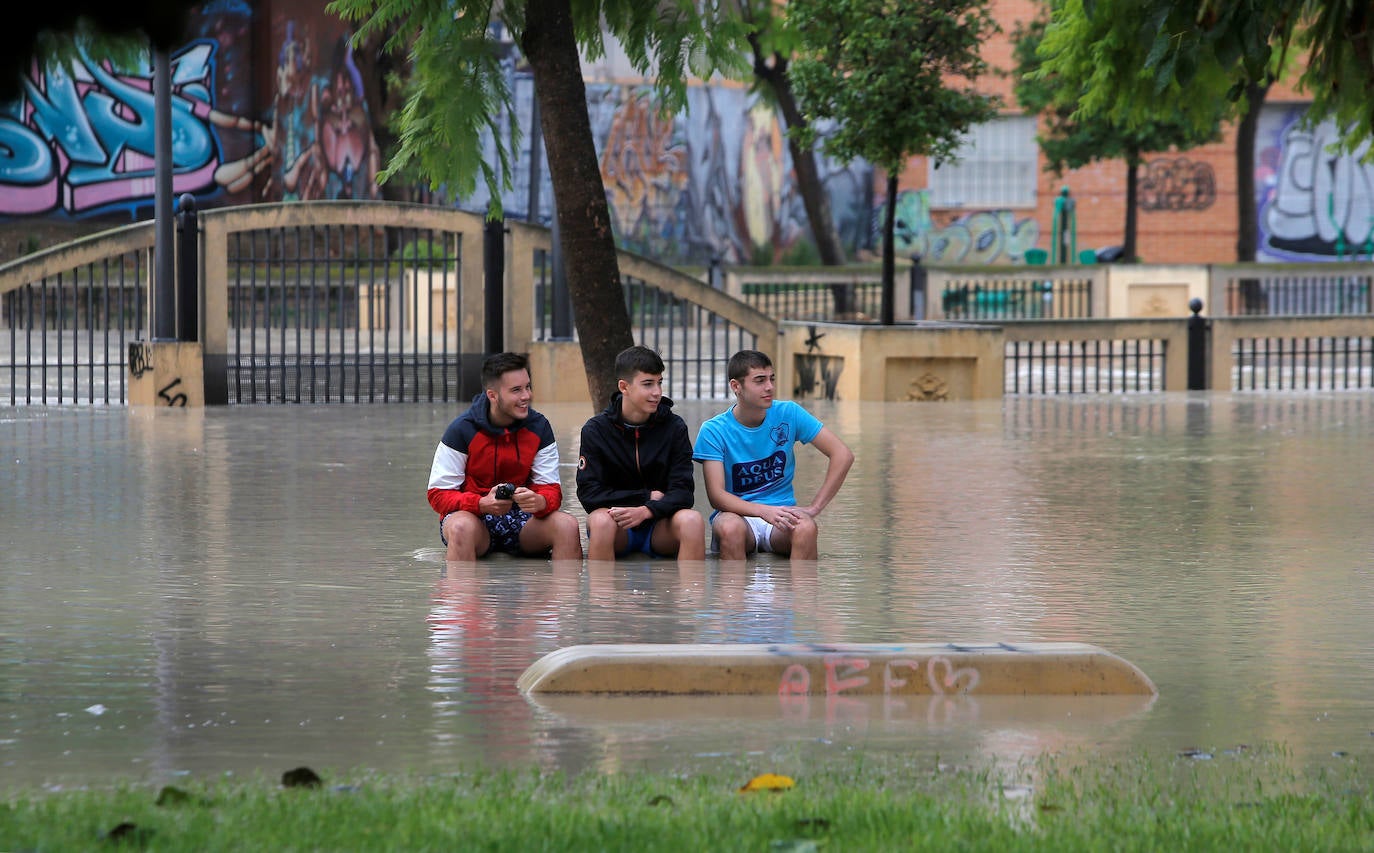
[
  {"x": 981, "y": 237},
  {"x": 318, "y": 133},
  {"x": 713, "y": 181},
  {"x": 80, "y": 142},
  {"x": 269, "y": 106},
  {"x": 1314, "y": 203}
]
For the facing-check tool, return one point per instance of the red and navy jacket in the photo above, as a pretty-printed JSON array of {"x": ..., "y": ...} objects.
[
  {"x": 473, "y": 456},
  {"x": 621, "y": 463}
]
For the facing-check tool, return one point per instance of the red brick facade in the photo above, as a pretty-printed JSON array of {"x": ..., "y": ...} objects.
[{"x": 1207, "y": 235}]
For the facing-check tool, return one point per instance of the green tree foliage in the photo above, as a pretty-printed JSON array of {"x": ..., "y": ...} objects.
[
  {"x": 457, "y": 92},
  {"x": 1127, "y": 55},
  {"x": 1069, "y": 141},
  {"x": 1201, "y": 58},
  {"x": 890, "y": 79},
  {"x": 1137, "y": 52},
  {"x": 48, "y": 32}
]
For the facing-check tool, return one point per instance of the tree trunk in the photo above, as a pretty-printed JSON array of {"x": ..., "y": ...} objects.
[
  {"x": 814, "y": 197},
  {"x": 584, "y": 219},
  {"x": 890, "y": 253},
  {"x": 1132, "y": 225},
  {"x": 1247, "y": 213}
]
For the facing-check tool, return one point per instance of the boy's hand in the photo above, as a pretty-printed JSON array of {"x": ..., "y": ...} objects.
[
  {"x": 783, "y": 517},
  {"x": 630, "y": 516}
]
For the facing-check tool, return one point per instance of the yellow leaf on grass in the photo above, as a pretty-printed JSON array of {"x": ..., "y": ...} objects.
[{"x": 768, "y": 782}]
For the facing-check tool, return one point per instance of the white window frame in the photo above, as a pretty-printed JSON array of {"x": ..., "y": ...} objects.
[{"x": 996, "y": 167}]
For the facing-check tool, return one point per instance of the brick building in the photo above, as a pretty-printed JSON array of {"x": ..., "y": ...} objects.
[{"x": 1000, "y": 201}]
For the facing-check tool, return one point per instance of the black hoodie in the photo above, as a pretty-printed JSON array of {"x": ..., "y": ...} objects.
[{"x": 621, "y": 463}]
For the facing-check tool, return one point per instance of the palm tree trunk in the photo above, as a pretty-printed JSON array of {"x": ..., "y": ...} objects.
[{"x": 584, "y": 219}]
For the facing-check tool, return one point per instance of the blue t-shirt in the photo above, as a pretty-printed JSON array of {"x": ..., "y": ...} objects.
[{"x": 759, "y": 461}]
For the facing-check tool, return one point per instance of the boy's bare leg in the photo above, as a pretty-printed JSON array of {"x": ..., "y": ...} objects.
[
  {"x": 799, "y": 543},
  {"x": 604, "y": 536},
  {"x": 557, "y": 531},
  {"x": 467, "y": 536},
  {"x": 734, "y": 539},
  {"x": 683, "y": 534}
]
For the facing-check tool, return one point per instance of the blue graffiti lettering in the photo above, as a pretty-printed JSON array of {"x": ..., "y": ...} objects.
[{"x": 83, "y": 137}]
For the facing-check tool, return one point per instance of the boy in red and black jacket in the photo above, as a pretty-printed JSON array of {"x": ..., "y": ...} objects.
[
  {"x": 635, "y": 477},
  {"x": 494, "y": 481}
]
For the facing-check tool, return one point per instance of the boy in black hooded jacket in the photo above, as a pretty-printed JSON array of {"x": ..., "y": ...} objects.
[{"x": 634, "y": 475}]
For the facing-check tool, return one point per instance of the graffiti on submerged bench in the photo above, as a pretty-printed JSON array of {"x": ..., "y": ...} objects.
[{"x": 852, "y": 673}]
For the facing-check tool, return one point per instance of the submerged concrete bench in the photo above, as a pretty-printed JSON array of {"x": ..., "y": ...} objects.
[{"x": 1044, "y": 669}]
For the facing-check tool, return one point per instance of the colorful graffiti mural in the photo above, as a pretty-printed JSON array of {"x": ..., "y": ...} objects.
[
  {"x": 981, "y": 237},
  {"x": 81, "y": 139},
  {"x": 80, "y": 142},
  {"x": 1315, "y": 202},
  {"x": 318, "y": 133},
  {"x": 713, "y": 181}
]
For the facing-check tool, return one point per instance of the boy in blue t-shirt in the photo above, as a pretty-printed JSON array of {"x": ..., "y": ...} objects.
[{"x": 747, "y": 462}]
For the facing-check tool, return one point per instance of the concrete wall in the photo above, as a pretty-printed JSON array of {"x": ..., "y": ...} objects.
[
  {"x": 922, "y": 362},
  {"x": 1154, "y": 290}
]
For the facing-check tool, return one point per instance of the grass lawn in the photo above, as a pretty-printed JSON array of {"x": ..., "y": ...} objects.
[{"x": 1252, "y": 800}]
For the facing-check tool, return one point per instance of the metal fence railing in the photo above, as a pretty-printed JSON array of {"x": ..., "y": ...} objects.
[
  {"x": 1309, "y": 363},
  {"x": 340, "y": 302},
  {"x": 694, "y": 342},
  {"x": 1281, "y": 291},
  {"x": 68, "y": 328},
  {"x": 1094, "y": 356},
  {"x": 1084, "y": 367},
  {"x": 343, "y": 313},
  {"x": 1016, "y": 298},
  {"x": 811, "y": 300}
]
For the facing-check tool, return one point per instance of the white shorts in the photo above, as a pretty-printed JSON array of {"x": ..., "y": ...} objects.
[{"x": 763, "y": 535}]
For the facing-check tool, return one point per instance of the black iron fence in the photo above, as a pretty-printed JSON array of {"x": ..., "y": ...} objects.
[
  {"x": 1085, "y": 366},
  {"x": 68, "y": 332},
  {"x": 335, "y": 311},
  {"x": 340, "y": 313},
  {"x": 1306, "y": 363},
  {"x": 1287, "y": 294},
  {"x": 694, "y": 342},
  {"x": 842, "y": 300},
  {"x": 1017, "y": 298}
]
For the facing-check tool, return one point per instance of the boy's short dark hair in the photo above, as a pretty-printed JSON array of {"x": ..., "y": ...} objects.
[
  {"x": 746, "y": 360},
  {"x": 637, "y": 359},
  {"x": 498, "y": 365}
]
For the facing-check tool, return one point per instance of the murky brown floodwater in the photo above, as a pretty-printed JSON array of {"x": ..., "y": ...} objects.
[{"x": 250, "y": 589}]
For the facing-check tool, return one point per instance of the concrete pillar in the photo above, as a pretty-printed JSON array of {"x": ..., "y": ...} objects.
[{"x": 166, "y": 373}]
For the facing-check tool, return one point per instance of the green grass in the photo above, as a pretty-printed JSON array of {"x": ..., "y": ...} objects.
[{"x": 1253, "y": 802}]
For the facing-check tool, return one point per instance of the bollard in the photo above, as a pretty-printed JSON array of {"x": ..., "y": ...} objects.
[
  {"x": 188, "y": 270},
  {"x": 494, "y": 274},
  {"x": 918, "y": 288},
  {"x": 1198, "y": 328}
]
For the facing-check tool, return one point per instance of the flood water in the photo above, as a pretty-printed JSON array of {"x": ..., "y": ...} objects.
[{"x": 249, "y": 589}]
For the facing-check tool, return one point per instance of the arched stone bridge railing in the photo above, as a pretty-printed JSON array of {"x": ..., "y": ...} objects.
[{"x": 338, "y": 301}]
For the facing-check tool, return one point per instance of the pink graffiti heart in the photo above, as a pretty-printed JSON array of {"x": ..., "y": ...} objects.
[{"x": 952, "y": 680}]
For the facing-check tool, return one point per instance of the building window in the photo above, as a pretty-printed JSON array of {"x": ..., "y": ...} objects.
[{"x": 995, "y": 167}]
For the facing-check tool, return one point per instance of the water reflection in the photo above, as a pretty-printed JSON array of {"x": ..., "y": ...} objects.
[{"x": 255, "y": 588}]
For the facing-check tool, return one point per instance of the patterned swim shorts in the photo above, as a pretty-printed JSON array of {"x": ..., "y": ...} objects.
[{"x": 503, "y": 529}]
